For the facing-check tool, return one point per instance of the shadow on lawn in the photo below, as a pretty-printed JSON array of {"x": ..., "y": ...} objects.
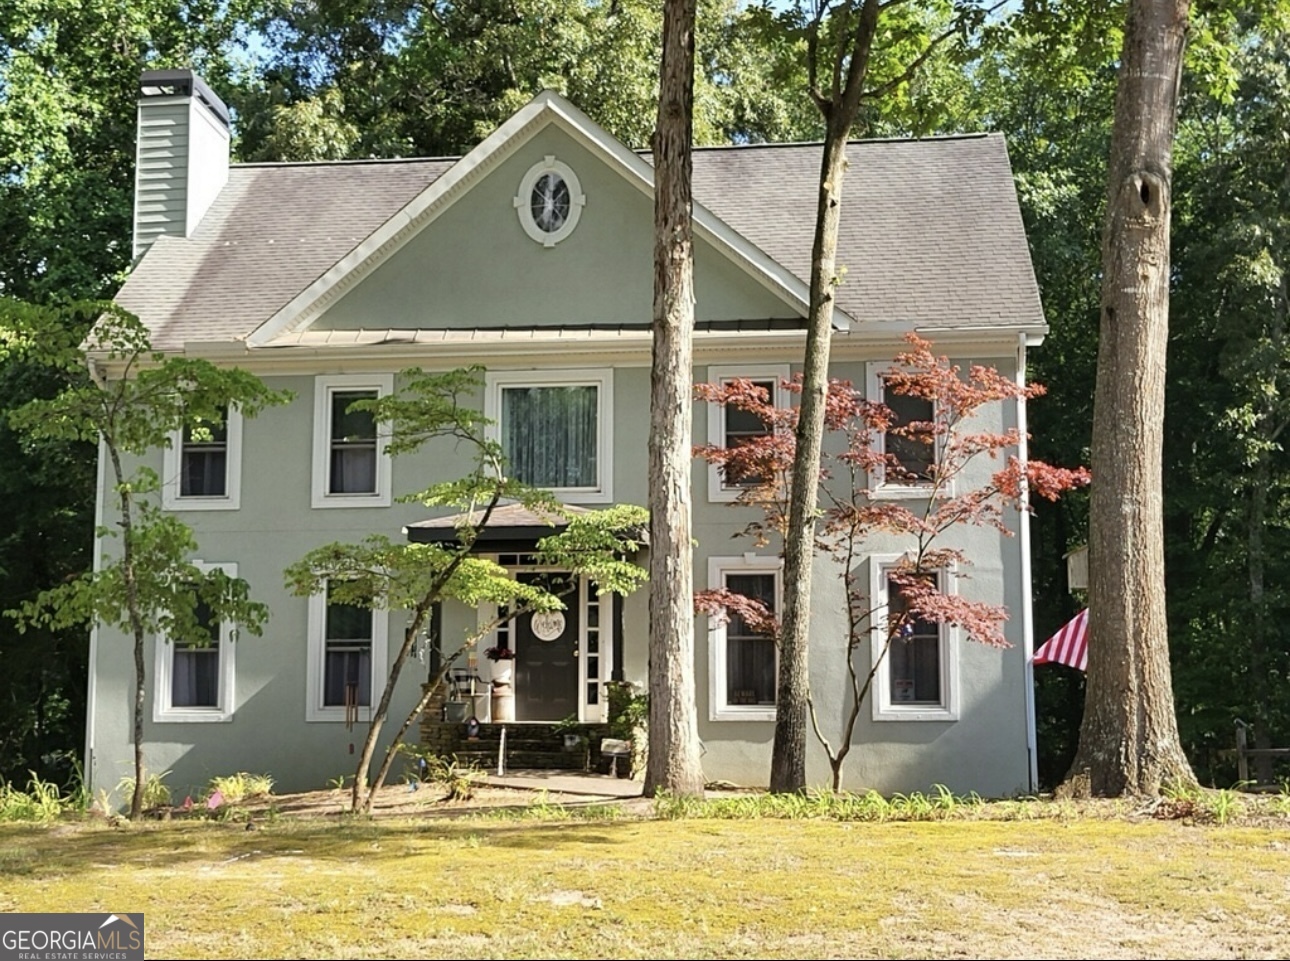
[{"x": 64, "y": 849}]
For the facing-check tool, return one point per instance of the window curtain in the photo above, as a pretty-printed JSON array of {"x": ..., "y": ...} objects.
[
  {"x": 353, "y": 444},
  {"x": 550, "y": 435},
  {"x": 194, "y": 678}
]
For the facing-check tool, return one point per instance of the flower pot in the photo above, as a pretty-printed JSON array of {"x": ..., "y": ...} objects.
[
  {"x": 456, "y": 711},
  {"x": 503, "y": 706},
  {"x": 503, "y": 671}
]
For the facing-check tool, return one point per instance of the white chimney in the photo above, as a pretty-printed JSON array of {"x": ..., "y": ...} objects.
[{"x": 182, "y": 159}]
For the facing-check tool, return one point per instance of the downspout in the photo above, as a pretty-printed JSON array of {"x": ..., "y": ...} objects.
[
  {"x": 1027, "y": 599},
  {"x": 91, "y": 686}
]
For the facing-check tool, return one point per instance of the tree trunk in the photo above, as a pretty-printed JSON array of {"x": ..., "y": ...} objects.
[
  {"x": 136, "y": 625},
  {"x": 362, "y": 796},
  {"x": 788, "y": 757},
  {"x": 1256, "y": 565},
  {"x": 1129, "y": 740},
  {"x": 673, "y": 763}
]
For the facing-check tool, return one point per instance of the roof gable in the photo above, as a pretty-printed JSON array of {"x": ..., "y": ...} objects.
[{"x": 546, "y": 124}]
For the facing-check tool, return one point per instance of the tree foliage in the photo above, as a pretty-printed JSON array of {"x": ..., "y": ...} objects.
[{"x": 146, "y": 582}]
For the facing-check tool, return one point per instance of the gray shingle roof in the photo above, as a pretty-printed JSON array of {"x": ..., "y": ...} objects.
[{"x": 931, "y": 233}]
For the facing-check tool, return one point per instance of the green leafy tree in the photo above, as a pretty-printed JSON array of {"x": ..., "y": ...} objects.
[
  {"x": 383, "y": 575},
  {"x": 130, "y": 400},
  {"x": 1227, "y": 475},
  {"x": 69, "y": 76}
]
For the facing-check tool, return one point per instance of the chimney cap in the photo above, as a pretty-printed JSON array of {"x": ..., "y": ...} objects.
[{"x": 182, "y": 83}]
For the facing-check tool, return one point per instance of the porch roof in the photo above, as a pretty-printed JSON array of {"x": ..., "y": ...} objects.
[{"x": 512, "y": 527}]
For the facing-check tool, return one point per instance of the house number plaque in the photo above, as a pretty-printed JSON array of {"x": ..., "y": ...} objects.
[{"x": 548, "y": 625}]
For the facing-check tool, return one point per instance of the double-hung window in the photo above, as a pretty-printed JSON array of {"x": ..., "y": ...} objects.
[
  {"x": 555, "y": 429},
  {"x": 351, "y": 468},
  {"x": 742, "y": 661},
  {"x": 346, "y": 658},
  {"x": 918, "y": 678},
  {"x": 202, "y": 465},
  {"x": 728, "y": 426},
  {"x": 910, "y": 440},
  {"x": 195, "y": 678}
]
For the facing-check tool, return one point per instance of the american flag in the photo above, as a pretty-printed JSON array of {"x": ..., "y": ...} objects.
[{"x": 1068, "y": 646}]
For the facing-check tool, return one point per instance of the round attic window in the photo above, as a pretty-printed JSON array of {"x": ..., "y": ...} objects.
[{"x": 549, "y": 202}]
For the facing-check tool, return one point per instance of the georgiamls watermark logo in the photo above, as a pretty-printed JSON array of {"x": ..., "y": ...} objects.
[{"x": 71, "y": 937}]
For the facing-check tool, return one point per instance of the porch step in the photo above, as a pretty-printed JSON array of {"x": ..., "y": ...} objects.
[{"x": 527, "y": 745}]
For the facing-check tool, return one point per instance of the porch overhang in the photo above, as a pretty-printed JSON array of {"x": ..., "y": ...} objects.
[{"x": 512, "y": 528}]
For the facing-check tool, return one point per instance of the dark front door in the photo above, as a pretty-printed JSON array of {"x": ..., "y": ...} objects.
[{"x": 546, "y": 656}]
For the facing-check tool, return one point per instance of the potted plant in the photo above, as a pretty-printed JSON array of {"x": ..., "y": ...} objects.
[
  {"x": 572, "y": 732},
  {"x": 501, "y": 656}
]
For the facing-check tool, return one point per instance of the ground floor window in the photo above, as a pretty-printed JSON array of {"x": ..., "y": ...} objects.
[
  {"x": 918, "y": 677},
  {"x": 743, "y": 661},
  {"x": 194, "y": 679},
  {"x": 346, "y": 658}
]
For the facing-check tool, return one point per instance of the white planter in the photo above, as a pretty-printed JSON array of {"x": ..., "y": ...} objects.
[{"x": 503, "y": 671}]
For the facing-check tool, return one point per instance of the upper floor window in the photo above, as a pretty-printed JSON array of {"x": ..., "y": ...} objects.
[
  {"x": 919, "y": 678},
  {"x": 555, "y": 428},
  {"x": 910, "y": 440},
  {"x": 729, "y": 426},
  {"x": 350, "y": 465},
  {"x": 549, "y": 201},
  {"x": 195, "y": 677},
  {"x": 202, "y": 466}
]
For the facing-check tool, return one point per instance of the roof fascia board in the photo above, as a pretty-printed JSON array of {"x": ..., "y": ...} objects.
[
  {"x": 545, "y": 108},
  {"x": 625, "y": 349}
]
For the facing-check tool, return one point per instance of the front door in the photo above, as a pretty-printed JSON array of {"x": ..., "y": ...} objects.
[{"x": 546, "y": 655}]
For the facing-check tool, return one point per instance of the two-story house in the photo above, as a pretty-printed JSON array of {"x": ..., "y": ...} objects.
[{"x": 531, "y": 255}]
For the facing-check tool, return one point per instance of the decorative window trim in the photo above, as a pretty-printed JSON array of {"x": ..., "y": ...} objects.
[
  {"x": 602, "y": 379},
  {"x": 878, "y": 485},
  {"x": 577, "y": 200},
  {"x": 316, "y": 661},
  {"x": 718, "y": 491},
  {"x": 883, "y": 708},
  {"x": 163, "y": 712},
  {"x": 718, "y": 567},
  {"x": 173, "y": 463},
  {"x": 324, "y": 386}
]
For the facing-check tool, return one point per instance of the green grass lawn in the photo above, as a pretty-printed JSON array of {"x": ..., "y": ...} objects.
[{"x": 484, "y": 888}]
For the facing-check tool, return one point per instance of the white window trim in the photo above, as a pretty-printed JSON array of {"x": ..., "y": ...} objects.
[
  {"x": 162, "y": 710},
  {"x": 878, "y": 485},
  {"x": 718, "y": 491},
  {"x": 577, "y": 200},
  {"x": 602, "y": 379},
  {"x": 172, "y": 470},
  {"x": 883, "y": 708},
  {"x": 316, "y": 661},
  {"x": 718, "y": 567},
  {"x": 324, "y": 386}
]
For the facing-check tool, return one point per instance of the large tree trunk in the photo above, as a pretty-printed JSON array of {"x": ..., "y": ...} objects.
[
  {"x": 1129, "y": 739},
  {"x": 673, "y": 763},
  {"x": 788, "y": 757}
]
